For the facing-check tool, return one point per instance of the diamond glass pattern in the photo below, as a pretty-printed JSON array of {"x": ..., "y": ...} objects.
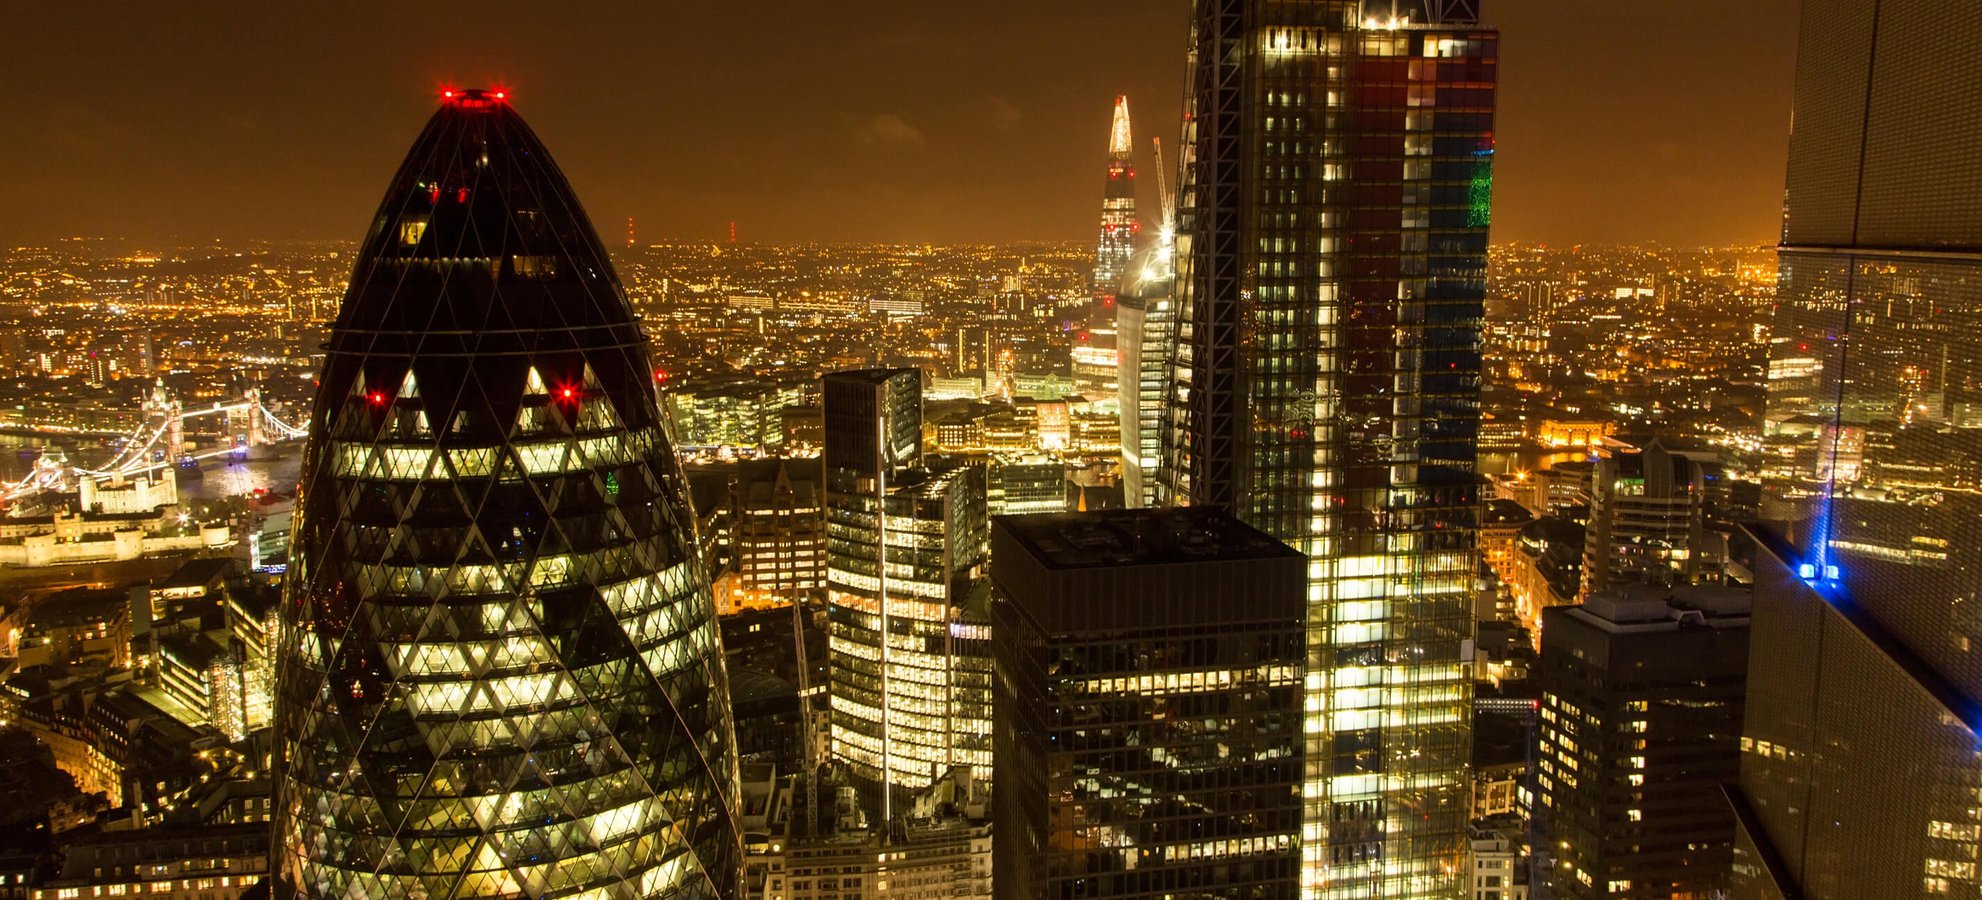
[{"x": 501, "y": 674}]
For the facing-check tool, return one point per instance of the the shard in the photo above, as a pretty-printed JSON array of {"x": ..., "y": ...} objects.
[
  {"x": 1095, "y": 355},
  {"x": 1118, "y": 206},
  {"x": 501, "y": 674}
]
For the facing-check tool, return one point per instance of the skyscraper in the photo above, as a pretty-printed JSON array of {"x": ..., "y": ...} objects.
[
  {"x": 1148, "y": 706},
  {"x": 908, "y": 636},
  {"x": 1859, "y": 774},
  {"x": 1118, "y": 205},
  {"x": 1331, "y": 259},
  {"x": 1145, "y": 326},
  {"x": 1095, "y": 345},
  {"x": 873, "y": 424},
  {"x": 500, "y": 673}
]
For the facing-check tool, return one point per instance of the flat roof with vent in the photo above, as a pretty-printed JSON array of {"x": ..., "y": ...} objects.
[{"x": 1127, "y": 537}]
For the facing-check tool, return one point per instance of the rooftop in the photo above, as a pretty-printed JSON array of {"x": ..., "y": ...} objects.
[
  {"x": 1501, "y": 511},
  {"x": 197, "y": 572},
  {"x": 1138, "y": 537},
  {"x": 1636, "y": 608},
  {"x": 870, "y": 376},
  {"x": 80, "y": 606}
]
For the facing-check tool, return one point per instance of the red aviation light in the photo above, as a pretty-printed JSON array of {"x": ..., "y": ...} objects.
[
  {"x": 378, "y": 398},
  {"x": 473, "y": 98},
  {"x": 567, "y": 394}
]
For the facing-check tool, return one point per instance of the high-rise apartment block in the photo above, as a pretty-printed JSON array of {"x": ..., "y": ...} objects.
[
  {"x": 1331, "y": 258},
  {"x": 1148, "y": 706},
  {"x": 500, "y": 673}
]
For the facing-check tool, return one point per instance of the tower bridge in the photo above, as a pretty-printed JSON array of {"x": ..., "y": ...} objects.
[{"x": 160, "y": 441}]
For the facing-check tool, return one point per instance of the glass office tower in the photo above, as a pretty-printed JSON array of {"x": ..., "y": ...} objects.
[
  {"x": 1859, "y": 774},
  {"x": 1146, "y": 321},
  {"x": 500, "y": 674},
  {"x": 908, "y": 634},
  {"x": 1331, "y": 261}
]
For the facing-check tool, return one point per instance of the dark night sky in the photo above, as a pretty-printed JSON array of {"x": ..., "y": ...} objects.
[{"x": 1662, "y": 120}]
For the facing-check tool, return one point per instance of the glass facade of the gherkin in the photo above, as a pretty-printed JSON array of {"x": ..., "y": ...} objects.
[{"x": 501, "y": 675}]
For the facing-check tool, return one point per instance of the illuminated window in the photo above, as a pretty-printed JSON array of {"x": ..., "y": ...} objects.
[{"x": 411, "y": 229}]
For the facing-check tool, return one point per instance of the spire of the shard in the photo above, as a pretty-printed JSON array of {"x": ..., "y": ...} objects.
[{"x": 1119, "y": 146}]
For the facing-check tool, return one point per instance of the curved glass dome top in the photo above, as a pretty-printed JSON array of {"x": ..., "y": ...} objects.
[{"x": 501, "y": 674}]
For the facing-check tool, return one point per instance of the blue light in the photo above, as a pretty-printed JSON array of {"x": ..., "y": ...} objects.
[
  {"x": 1830, "y": 573},
  {"x": 1806, "y": 571}
]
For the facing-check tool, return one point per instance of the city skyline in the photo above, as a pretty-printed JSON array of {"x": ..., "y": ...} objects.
[
  {"x": 1365, "y": 505},
  {"x": 914, "y": 136}
]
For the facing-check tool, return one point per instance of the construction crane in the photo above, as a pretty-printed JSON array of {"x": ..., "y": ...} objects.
[{"x": 1166, "y": 202}]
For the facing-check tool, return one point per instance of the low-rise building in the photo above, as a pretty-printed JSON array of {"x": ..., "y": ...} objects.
[
  {"x": 1495, "y": 868},
  {"x": 206, "y": 862},
  {"x": 1545, "y": 570},
  {"x": 77, "y": 627},
  {"x": 100, "y": 522},
  {"x": 808, "y": 840}
]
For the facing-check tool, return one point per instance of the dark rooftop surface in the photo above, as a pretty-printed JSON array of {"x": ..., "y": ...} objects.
[
  {"x": 1123, "y": 537},
  {"x": 867, "y": 376},
  {"x": 1501, "y": 511},
  {"x": 196, "y": 572},
  {"x": 79, "y": 606},
  {"x": 748, "y": 685}
]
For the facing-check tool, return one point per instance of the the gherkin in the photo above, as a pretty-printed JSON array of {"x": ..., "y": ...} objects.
[{"x": 501, "y": 674}]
